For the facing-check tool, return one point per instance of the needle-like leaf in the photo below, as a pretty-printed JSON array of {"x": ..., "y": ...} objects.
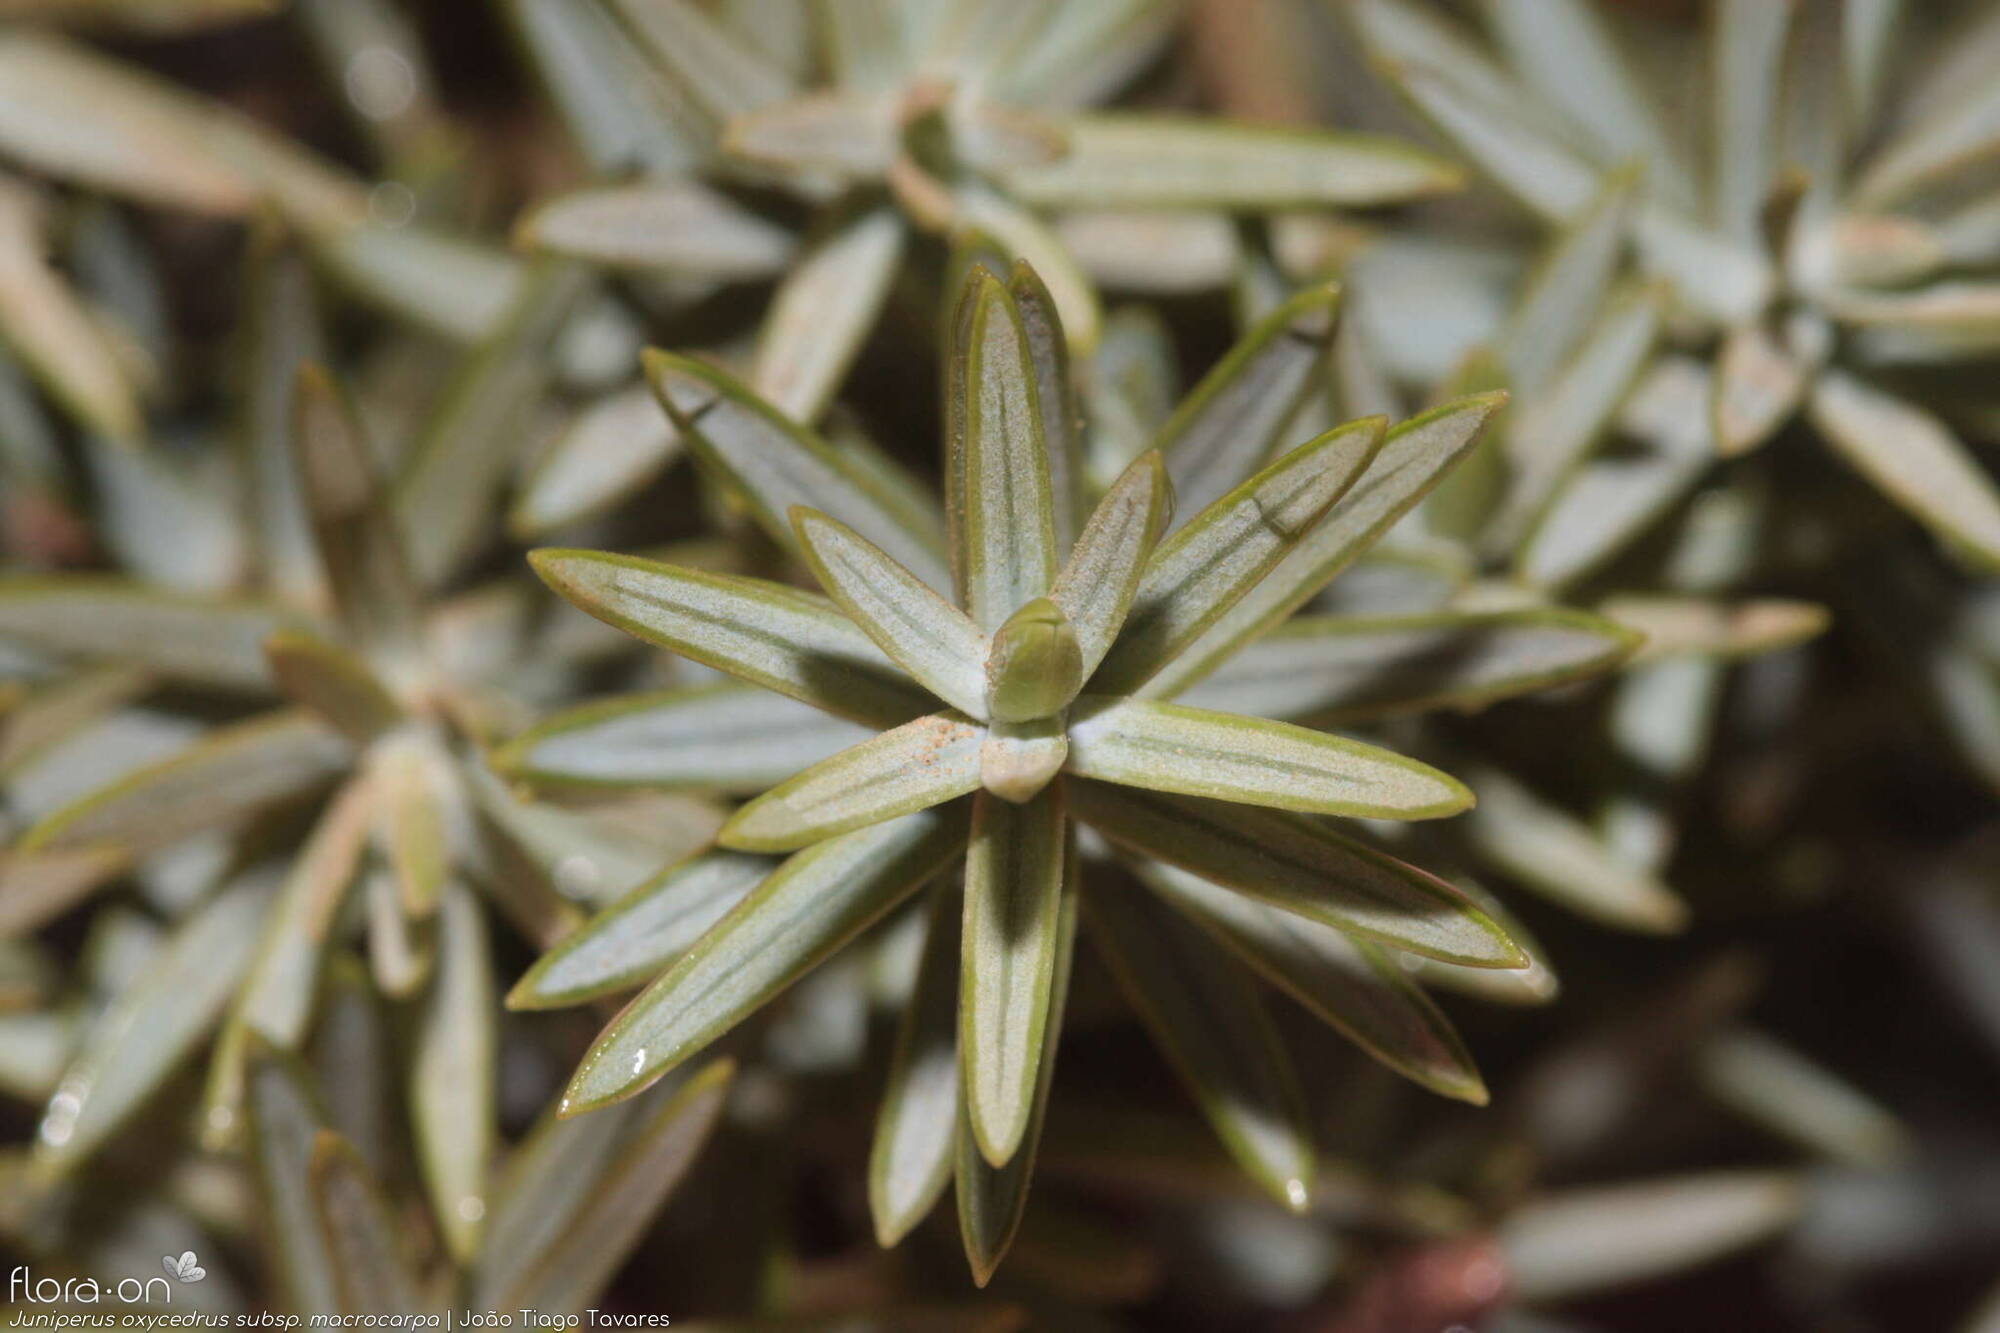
[
  {"x": 52, "y": 332},
  {"x": 815, "y": 902},
  {"x": 135, "y": 1044},
  {"x": 1556, "y": 854},
  {"x": 202, "y": 640},
  {"x": 926, "y": 635},
  {"x": 1197, "y": 752},
  {"x": 1061, "y": 422},
  {"x": 276, "y": 997},
  {"x": 231, "y": 773},
  {"x": 1013, "y": 890},
  {"x": 822, "y": 312},
  {"x": 917, "y": 1125},
  {"x": 640, "y": 935},
  {"x": 776, "y": 465},
  {"x": 611, "y": 448},
  {"x": 1001, "y": 508},
  {"x": 1568, "y": 287},
  {"x": 1355, "y": 985},
  {"x": 1097, "y": 584},
  {"x": 1198, "y": 574},
  {"x": 670, "y": 225},
  {"x": 1156, "y": 161},
  {"x": 1322, "y": 669},
  {"x": 454, "y": 1074},
  {"x": 284, "y": 1120},
  {"x": 1747, "y": 46},
  {"x": 1298, "y": 864},
  {"x": 912, "y": 767},
  {"x": 724, "y": 737},
  {"x": 766, "y": 633},
  {"x": 1205, "y": 1012},
  {"x": 1569, "y": 1245},
  {"x": 1411, "y": 460},
  {"x": 1915, "y": 459},
  {"x": 585, "y": 1254},
  {"x": 480, "y": 423},
  {"x": 1551, "y": 433},
  {"x": 991, "y": 1199},
  {"x": 1229, "y": 425},
  {"x": 371, "y": 1274}
]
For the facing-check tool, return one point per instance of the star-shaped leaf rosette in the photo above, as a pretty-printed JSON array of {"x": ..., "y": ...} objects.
[{"x": 1027, "y": 723}]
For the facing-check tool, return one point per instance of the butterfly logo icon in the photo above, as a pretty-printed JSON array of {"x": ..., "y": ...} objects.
[{"x": 185, "y": 1268}]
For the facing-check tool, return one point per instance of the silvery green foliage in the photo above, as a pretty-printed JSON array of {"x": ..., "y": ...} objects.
[
  {"x": 299, "y": 767},
  {"x": 1022, "y": 663},
  {"x": 889, "y": 122}
]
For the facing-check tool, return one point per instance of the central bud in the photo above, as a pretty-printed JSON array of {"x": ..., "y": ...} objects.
[
  {"x": 1033, "y": 670},
  {"x": 1035, "y": 666}
]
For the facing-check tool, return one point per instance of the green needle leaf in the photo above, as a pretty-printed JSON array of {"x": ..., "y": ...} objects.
[
  {"x": 637, "y": 937},
  {"x": 1568, "y": 287},
  {"x": 1195, "y": 576},
  {"x": 916, "y": 1128},
  {"x": 766, "y": 633},
  {"x": 725, "y": 738},
  {"x": 1298, "y": 864},
  {"x": 231, "y": 773},
  {"x": 927, "y": 636},
  {"x": 992, "y": 1199},
  {"x": 454, "y": 1074},
  {"x": 777, "y": 465},
  {"x": 1354, "y": 985},
  {"x": 1411, "y": 460},
  {"x": 1097, "y": 584},
  {"x": 1227, "y": 428},
  {"x": 814, "y": 903},
  {"x": 913, "y": 767},
  {"x": 136, "y": 1044},
  {"x": 1159, "y": 161},
  {"x": 717, "y": 73},
  {"x": 1013, "y": 896},
  {"x": 1747, "y": 46},
  {"x": 586, "y": 1253},
  {"x": 611, "y": 448},
  {"x": 482, "y": 423},
  {"x": 1207, "y": 1016},
  {"x": 285, "y": 1119},
  {"x": 659, "y": 225},
  {"x": 1001, "y": 506},
  {"x": 201, "y": 640},
  {"x": 1557, "y": 855},
  {"x": 1552, "y": 432},
  {"x": 1583, "y": 1241},
  {"x": 367, "y": 1250},
  {"x": 1915, "y": 459},
  {"x": 1170, "y": 747},
  {"x": 1324, "y": 669},
  {"x": 277, "y": 996},
  {"x": 53, "y": 333},
  {"x": 820, "y": 316},
  {"x": 1061, "y": 420}
]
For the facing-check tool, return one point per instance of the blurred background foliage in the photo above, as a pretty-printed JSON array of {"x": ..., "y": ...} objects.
[{"x": 269, "y": 873}]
